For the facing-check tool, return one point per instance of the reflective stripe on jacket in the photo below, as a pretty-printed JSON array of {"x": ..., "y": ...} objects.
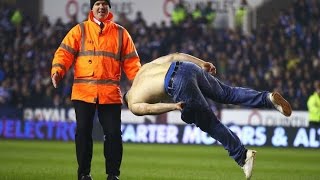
[{"x": 98, "y": 57}]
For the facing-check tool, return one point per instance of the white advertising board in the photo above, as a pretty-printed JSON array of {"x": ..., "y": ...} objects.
[
  {"x": 154, "y": 11},
  {"x": 230, "y": 116},
  {"x": 264, "y": 118},
  {"x": 251, "y": 117}
]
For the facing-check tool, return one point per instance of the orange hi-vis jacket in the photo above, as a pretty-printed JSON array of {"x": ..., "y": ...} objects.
[{"x": 98, "y": 57}]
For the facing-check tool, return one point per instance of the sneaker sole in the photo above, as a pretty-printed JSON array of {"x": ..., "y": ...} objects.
[
  {"x": 253, "y": 160},
  {"x": 286, "y": 108}
]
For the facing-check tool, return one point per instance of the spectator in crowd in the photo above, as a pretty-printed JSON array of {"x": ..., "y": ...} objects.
[
  {"x": 183, "y": 82},
  {"x": 179, "y": 13},
  {"x": 197, "y": 14},
  {"x": 241, "y": 13},
  {"x": 139, "y": 18},
  {"x": 5, "y": 94},
  {"x": 99, "y": 49},
  {"x": 16, "y": 18},
  {"x": 314, "y": 106},
  {"x": 209, "y": 13}
]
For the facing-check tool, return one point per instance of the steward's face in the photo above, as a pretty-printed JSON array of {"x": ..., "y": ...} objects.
[{"x": 100, "y": 10}]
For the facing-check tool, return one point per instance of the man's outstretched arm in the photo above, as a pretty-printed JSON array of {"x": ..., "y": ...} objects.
[{"x": 141, "y": 109}]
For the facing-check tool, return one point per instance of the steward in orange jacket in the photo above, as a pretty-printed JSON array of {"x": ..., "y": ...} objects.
[
  {"x": 97, "y": 60},
  {"x": 99, "y": 50}
]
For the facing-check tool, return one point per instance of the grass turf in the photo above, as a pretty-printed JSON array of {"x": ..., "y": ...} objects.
[{"x": 39, "y": 160}]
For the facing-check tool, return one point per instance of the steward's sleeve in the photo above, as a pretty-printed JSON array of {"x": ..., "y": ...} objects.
[
  {"x": 129, "y": 56},
  {"x": 67, "y": 52}
]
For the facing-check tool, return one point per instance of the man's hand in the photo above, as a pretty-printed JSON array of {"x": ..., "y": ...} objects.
[
  {"x": 209, "y": 67},
  {"x": 55, "y": 79},
  {"x": 179, "y": 106}
]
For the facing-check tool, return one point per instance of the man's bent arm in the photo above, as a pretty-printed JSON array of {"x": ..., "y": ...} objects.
[{"x": 141, "y": 109}]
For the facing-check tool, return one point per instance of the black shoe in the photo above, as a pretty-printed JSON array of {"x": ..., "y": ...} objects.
[
  {"x": 86, "y": 177},
  {"x": 112, "y": 177}
]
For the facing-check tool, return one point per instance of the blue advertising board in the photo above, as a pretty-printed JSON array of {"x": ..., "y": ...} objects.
[{"x": 304, "y": 137}]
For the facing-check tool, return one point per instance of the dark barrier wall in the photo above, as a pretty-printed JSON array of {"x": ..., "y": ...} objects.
[{"x": 165, "y": 134}]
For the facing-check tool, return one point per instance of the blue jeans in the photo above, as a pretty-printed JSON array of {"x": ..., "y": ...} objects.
[{"x": 192, "y": 86}]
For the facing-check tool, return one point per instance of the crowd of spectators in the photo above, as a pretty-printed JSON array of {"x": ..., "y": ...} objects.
[{"x": 281, "y": 54}]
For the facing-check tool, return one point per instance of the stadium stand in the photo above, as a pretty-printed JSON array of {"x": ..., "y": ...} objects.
[{"x": 282, "y": 54}]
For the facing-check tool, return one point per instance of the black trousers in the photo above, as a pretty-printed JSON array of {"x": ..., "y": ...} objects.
[{"x": 110, "y": 119}]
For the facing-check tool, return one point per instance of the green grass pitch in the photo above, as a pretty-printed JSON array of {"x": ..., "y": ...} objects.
[{"x": 39, "y": 160}]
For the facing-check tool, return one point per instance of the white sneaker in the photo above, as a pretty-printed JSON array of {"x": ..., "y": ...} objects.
[
  {"x": 249, "y": 162},
  {"x": 280, "y": 103}
]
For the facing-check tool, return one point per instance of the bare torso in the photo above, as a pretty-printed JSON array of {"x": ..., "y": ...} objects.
[
  {"x": 148, "y": 85},
  {"x": 147, "y": 94}
]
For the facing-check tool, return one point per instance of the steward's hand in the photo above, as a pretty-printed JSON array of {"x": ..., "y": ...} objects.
[
  {"x": 209, "y": 67},
  {"x": 55, "y": 79}
]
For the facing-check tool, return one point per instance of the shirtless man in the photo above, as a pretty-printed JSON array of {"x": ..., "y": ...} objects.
[{"x": 183, "y": 82}]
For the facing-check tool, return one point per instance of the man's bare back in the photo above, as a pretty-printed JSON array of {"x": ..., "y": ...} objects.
[{"x": 148, "y": 85}]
